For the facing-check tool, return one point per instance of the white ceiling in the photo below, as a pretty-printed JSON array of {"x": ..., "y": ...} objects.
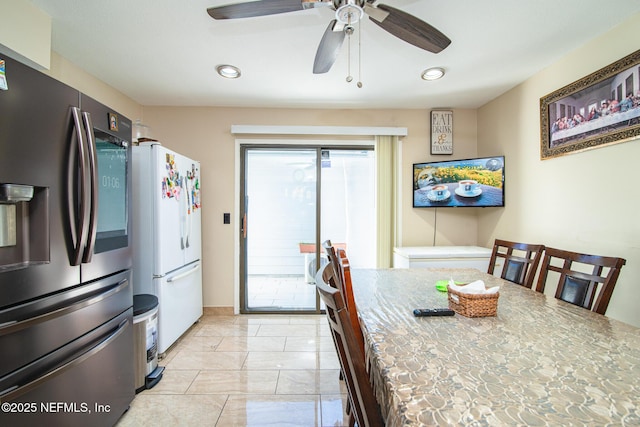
[{"x": 164, "y": 52}]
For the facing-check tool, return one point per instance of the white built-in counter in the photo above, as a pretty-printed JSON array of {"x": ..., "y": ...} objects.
[{"x": 441, "y": 257}]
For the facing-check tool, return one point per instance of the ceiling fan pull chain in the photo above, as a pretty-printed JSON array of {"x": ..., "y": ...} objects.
[
  {"x": 349, "y": 78},
  {"x": 359, "y": 54},
  {"x": 347, "y": 30}
]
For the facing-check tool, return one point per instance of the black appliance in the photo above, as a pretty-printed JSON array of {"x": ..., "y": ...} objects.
[{"x": 66, "y": 334}]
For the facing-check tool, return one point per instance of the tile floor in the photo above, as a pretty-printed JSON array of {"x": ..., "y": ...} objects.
[
  {"x": 247, "y": 370},
  {"x": 280, "y": 292}
]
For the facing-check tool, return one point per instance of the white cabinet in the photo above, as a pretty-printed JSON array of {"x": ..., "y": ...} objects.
[{"x": 441, "y": 257}]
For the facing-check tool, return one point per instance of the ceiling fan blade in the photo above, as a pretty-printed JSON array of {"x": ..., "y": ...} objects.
[
  {"x": 328, "y": 49},
  {"x": 254, "y": 8},
  {"x": 412, "y": 30}
]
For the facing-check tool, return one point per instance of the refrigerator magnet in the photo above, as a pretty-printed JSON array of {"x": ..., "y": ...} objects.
[
  {"x": 113, "y": 122},
  {"x": 3, "y": 77}
]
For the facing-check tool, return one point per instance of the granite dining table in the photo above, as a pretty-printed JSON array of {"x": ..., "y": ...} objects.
[{"x": 539, "y": 362}]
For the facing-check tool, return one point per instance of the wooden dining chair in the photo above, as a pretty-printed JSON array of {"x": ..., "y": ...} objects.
[
  {"x": 340, "y": 262},
  {"x": 576, "y": 286},
  {"x": 520, "y": 261},
  {"x": 329, "y": 276},
  {"x": 364, "y": 409}
]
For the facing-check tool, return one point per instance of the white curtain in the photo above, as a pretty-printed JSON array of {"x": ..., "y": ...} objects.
[{"x": 387, "y": 199}]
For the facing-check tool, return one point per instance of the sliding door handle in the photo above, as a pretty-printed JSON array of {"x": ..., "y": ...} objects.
[{"x": 244, "y": 226}]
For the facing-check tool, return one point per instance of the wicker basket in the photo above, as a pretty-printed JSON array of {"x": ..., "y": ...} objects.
[{"x": 473, "y": 305}]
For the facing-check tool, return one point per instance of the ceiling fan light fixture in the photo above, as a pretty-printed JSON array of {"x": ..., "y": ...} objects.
[
  {"x": 434, "y": 73},
  {"x": 228, "y": 71}
]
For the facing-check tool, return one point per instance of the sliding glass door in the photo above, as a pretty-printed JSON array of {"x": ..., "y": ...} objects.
[
  {"x": 293, "y": 199},
  {"x": 280, "y": 216},
  {"x": 348, "y": 204}
]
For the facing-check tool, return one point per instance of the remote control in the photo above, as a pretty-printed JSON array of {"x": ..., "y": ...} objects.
[{"x": 428, "y": 312}]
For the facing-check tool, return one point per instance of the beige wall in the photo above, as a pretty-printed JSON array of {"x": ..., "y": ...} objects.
[
  {"x": 25, "y": 33},
  {"x": 582, "y": 202},
  {"x": 68, "y": 73},
  {"x": 453, "y": 226},
  {"x": 205, "y": 134}
]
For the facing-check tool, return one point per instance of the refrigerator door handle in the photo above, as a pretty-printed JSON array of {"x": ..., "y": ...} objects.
[
  {"x": 183, "y": 221},
  {"x": 93, "y": 176},
  {"x": 51, "y": 312},
  {"x": 184, "y": 214},
  {"x": 183, "y": 275},
  {"x": 15, "y": 392},
  {"x": 78, "y": 224},
  {"x": 188, "y": 211}
]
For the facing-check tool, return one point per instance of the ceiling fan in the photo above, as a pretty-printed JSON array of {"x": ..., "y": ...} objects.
[{"x": 348, "y": 12}]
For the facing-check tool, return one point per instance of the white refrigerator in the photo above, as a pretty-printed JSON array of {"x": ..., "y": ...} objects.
[{"x": 166, "y": 237}]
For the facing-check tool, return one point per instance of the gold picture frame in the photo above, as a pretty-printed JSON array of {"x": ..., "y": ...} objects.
[{"x": 600, "y": 109}]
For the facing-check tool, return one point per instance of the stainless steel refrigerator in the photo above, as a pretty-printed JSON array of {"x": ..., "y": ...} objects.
[{"x": 66, "y": 341}]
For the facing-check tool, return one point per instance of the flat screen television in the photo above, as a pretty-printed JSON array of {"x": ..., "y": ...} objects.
[{"x": 459, "y": 183}]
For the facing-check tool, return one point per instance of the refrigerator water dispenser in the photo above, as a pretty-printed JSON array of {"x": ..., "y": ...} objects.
[
  {"x": 7, "y": 225},
  {"x": 24, "y": 226}
]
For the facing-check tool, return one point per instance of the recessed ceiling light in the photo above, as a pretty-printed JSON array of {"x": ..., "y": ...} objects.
[
  {"x": 433, "y": 73},
  {"x": 228, "y": 71}
]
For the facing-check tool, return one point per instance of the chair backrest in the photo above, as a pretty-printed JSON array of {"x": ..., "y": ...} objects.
[
  {"x": 332, "y": 256},
  {"x": 576, "y": 286},
  {"x": 520, "y": 261},
  {"x": 361, "y": 397},
  {"x": 338, "y": 259},
  {"x": 347, "y": 294}
]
